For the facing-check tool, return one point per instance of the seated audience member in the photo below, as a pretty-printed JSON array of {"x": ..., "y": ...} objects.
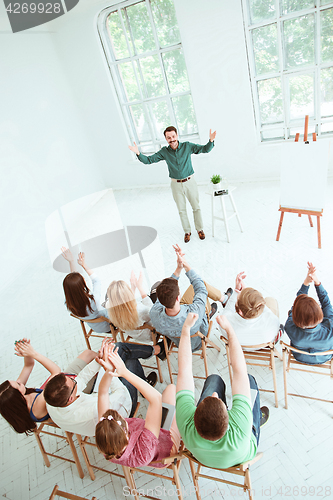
[
  {"x": 215, "y": 436},
  {"x": 254, "y": 319},
  {"x": 79, "y": 300},
  {"x": 74, "y": 408},
  {"x": 125, "y": 312},
  {"x": 20, "y": 406},
  {"x": 170, "y": 310},
  {"x": 310, "y": 325},
  {"x": 134, "y": 442}
]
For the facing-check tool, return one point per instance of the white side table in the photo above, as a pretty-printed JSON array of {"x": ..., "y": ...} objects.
[{"x": 225, "y": 218}]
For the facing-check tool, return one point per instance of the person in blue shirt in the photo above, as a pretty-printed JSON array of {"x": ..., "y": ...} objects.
[
  {"x": 310, "y": 325},
  {"x": 178, "y": 159}
]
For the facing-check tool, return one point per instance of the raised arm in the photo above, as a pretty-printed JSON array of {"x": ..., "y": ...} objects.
[
  {"x": 138, "y": 283},
  {"x": 185, "y": 373},
  {"x": 154, "y": 398},
  {"x": 180, "y": 258},
  {"x": 321, "y": 292},
  {"x": 67, "y": 254},
  {"x": 197, "y": 148},
  {"x": 240, "y": 381},
  {"x": 24, "y": 349},
  {"x": 82, "y": 262}
]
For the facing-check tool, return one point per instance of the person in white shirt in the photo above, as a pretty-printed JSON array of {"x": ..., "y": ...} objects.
[
  {"x": 254, "y": 319},
  {"x": 73, "y": 407}
]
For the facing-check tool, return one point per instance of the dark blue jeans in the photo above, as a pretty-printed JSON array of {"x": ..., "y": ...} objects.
[
  {"x": 215, "y": 383},
  {"x": 130, "y": 353}
]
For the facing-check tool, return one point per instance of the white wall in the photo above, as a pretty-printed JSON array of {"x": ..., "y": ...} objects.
[{"x": 46, "y": 158}]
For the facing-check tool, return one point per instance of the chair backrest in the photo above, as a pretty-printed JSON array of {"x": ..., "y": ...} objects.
[
  {"x": 289, "y": 350},
  {"x": 63, "y": 494}
]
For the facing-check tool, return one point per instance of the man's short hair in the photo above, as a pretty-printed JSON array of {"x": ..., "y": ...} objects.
[
  {"x": 170, "y": 129},
  {"x": 211, "y": 418},
  {"x": 57, "y": 392},
  {"x": 306, "y": 312},
  {"x": 167, "y": 292}
]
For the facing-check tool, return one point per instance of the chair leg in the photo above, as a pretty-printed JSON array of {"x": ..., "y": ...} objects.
[
  {"x": 69, "y": 436},
  {"x": 195, "y": 481},
  {"x": 86, "y": 336},
  {"x": 130, "y": 481},
  {"x": 247, "y": 484},
  {"x": 204, "y": 353},
  {"x": 42, "y": 449},
  {"x": 54, "y": 492},
  {"x": 274, "y": 379},
  {"x": 285, "y": 380},
  {"x": 85, "y": 457},
  {"x": 159, "y": 370},
  {"x": 168, "y": 358},
  {"x": 177, "y": 481}
]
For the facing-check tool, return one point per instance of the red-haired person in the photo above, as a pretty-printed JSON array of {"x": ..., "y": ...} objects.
[
  {"x": 80, "y": 301},
  {"x": 310, "y": 325},
  {"x": 20, "y": 406}
]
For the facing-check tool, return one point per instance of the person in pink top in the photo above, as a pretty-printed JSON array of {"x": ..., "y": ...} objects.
[{"x": 134, "y": 442}]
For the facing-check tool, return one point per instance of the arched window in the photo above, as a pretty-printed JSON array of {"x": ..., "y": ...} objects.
[
  {"x": 141, "y": 41},
  {"x": 290, "y": 50}
]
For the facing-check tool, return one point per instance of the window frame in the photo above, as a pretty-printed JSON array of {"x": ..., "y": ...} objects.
[
  {"x": 288, "y": 125},
  {"x": 157, "y": 141}
]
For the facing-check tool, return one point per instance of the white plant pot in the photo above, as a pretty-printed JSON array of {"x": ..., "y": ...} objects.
[{"x": 216, "y": 187}]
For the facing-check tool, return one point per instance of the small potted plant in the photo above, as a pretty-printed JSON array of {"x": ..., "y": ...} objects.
[{"x": 216, "y": 182}]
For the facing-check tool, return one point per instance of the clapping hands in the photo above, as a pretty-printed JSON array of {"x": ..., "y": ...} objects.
[
  {"x": 239, "y": 284},
  {"x": 311, "y": 275}
]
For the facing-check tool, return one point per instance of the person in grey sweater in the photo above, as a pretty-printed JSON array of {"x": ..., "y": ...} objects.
[{"x": 170, "y": 309}]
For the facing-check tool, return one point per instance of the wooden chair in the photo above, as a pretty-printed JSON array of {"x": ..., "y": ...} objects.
[
  {"x": 239, "y": 470},
  {"x": 173, "y": 463},
  {"x": 63, "y": 494},
  {"x": 205, "y": 343},
  {"x": 68, "y": 437},
  {"x": 87, "y": 441},
  {"x": 258, "y": 355},
  {"x": 290, "y": 363},
  {"x": 113, "y": 331}
]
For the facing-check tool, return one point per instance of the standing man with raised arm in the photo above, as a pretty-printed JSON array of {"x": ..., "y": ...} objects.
[
  {"x": 178, "y": 158},
  {"x": 215, "y": 436}
]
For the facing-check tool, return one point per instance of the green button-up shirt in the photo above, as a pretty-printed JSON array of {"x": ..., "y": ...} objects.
[{"x": 178, "y": 160}]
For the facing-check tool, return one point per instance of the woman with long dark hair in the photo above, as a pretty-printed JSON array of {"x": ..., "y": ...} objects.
[
  {"x": 80, "y": 301},
  {"x": 20, "y": 406}
]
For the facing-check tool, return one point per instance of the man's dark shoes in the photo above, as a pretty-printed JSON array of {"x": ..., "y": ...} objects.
[
  {"x": 187, "y": 237},
  {"x": 152, "y": 379},
  {"x": 201, "y": 235},
  {"x": 228, "y": 293},
  {"x": 212, "y": 310},
  {"x": 264, "y": 415},
  {"x": 162, "y": 354}
]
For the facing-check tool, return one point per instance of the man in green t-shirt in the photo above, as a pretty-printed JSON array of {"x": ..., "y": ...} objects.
[
  {"x": 178, "y": 159},
  {"x": 215, "y": 436}
]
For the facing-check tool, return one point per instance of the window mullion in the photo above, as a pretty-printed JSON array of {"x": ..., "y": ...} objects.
[{"x": 317, "y": 87}]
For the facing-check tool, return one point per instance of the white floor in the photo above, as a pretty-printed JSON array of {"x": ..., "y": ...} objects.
[{"x": 297, "y": 443}]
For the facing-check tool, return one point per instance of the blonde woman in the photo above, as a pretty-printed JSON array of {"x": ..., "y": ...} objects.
[{"x": 125, "y": 312}]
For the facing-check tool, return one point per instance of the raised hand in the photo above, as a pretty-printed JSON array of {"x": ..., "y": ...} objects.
[
  {"x": 308, "y": 279},
  {"x": 312, "y": 273},
  {"x": 133, "y": 281},
  {"x": 134, "y": 148},
  {"x": 223, "y": 322},
  {"x": 178, "y": 250},
  {"x": 239, "y": 285},
  {"x": 67, "y": 254},
  {"x": 117, "y": 362},
  {"x": 81, "y": 260},
  {"x": 103, "y": 355},
  {"x": 190, "y": 320},
  {"x": 23, "y": 348},
  {"x": 212, "y": 135}
]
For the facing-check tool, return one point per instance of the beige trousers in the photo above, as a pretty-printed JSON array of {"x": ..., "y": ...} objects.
[
  {"x": 213, "y": 293},
  {"x": 189, "y": 190}
]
